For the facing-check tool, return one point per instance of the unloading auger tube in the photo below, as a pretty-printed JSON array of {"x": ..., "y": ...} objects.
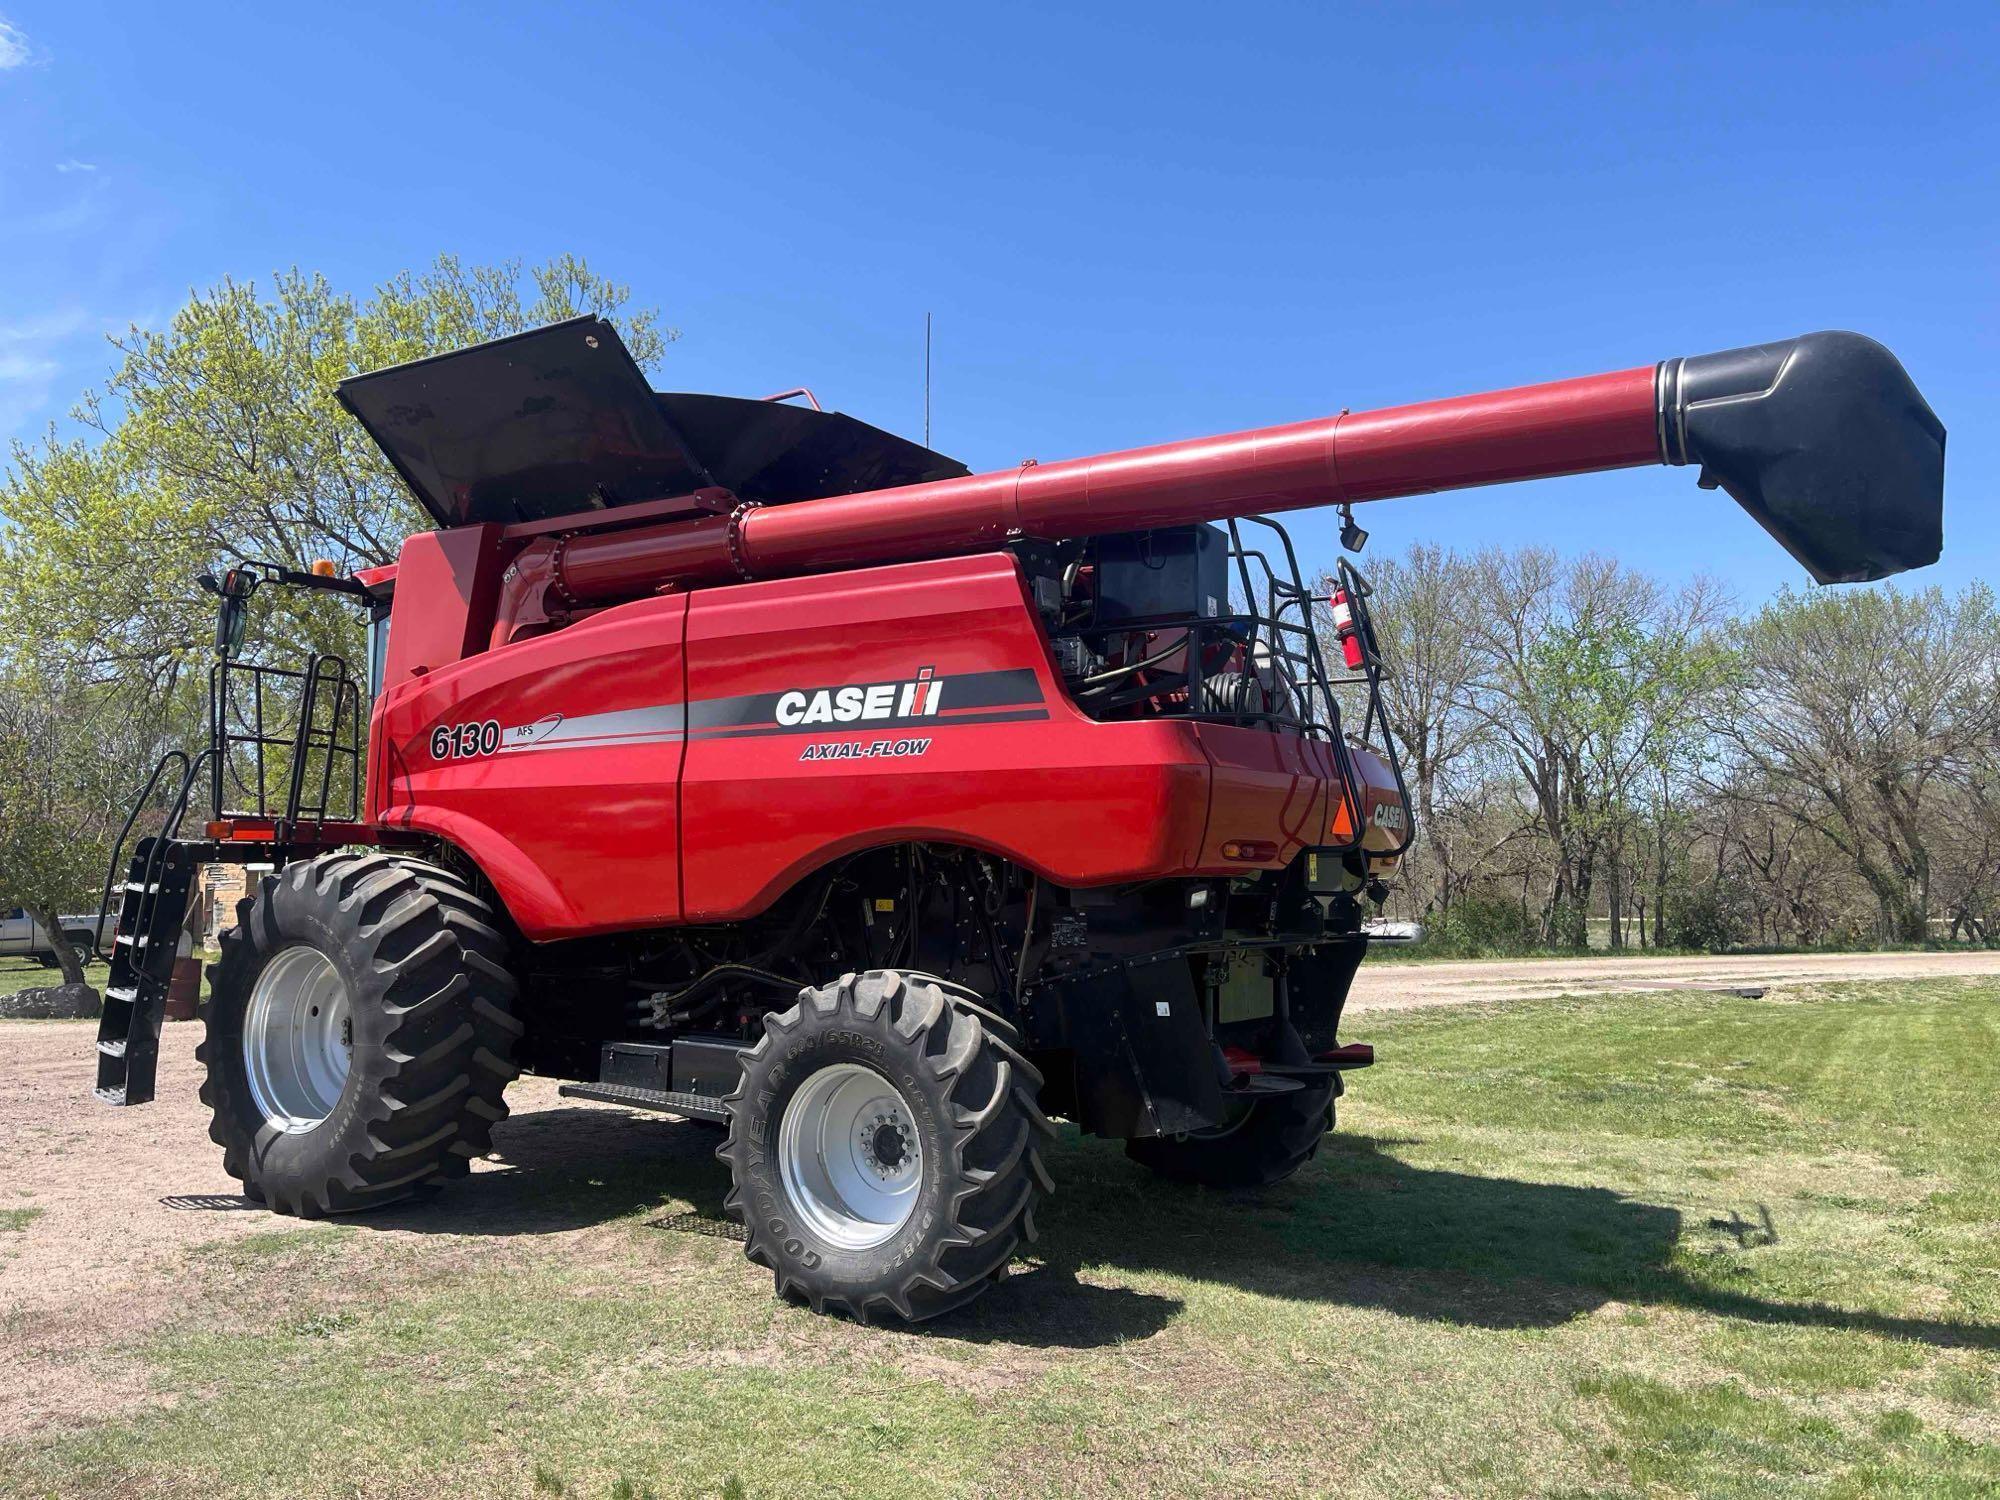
[{"x": 1823, "y": 438}]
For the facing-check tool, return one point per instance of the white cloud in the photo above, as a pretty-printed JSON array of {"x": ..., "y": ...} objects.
[
  {"x": 39, "y": 355},
  {"x": 14, "y": 51},
  {"x": 73, "y": 165},
  {"x": 57, "y": 324},
  {"x": 25, "y": 367}
]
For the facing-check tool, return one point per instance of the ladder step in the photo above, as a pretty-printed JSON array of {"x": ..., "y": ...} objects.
[
  {"x": 140, "y": 887},
  {"x": 125, "y": 993},
  {"x": 112, "y": 1048}
]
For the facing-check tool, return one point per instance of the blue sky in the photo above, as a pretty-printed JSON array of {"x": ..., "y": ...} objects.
[{"x": 1131, "y": 223}]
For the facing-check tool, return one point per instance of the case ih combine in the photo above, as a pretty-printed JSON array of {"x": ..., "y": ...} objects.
[{"x": 740, "y": 761}]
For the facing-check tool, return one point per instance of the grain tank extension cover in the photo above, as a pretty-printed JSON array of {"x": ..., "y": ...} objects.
[{"x": 560, "y": 420}]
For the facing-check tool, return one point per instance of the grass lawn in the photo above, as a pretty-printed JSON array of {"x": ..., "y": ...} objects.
[
  {"x": 17, "y": 974},
  {"x": 1645, "y": 1246}
]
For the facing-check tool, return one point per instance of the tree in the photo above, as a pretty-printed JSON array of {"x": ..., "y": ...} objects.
[
  {"x": 1868, "y": 716},
  {"x": 218, "y": 440},
  {"x": 64, "y": 776},
  {"x": 1421, "y": 606},
  {"x": 1595, "y": 678}
]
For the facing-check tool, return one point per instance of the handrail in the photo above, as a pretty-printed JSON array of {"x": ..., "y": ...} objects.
[
  {"x": 170, "y": 826},
  {"x": 118, "y": 848}
]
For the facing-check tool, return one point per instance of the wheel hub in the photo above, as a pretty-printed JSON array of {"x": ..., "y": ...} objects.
[
  {"x": 298, "y": 1039},
  {"x": 887, "y": 1144},
  {"x": 850, "y": 1156}
]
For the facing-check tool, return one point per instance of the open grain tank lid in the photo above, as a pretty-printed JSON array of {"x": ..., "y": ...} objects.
[{"x": 559, "y": 420}]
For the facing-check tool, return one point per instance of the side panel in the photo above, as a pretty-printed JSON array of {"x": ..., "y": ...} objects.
[
  {"x": 689, "y": 758},
  {"x": 1267, "y": 786},
  {"x": 913, "y": 702},
  {"x": 554, "y": 763}
]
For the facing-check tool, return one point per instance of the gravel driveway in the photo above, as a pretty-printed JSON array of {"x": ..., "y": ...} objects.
[{"x": 1394, "y": 986}]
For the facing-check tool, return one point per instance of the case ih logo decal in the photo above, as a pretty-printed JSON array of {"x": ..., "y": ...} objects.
[
  {"x": 871, "y": 704},
  {"x": 928, "y": 700}
]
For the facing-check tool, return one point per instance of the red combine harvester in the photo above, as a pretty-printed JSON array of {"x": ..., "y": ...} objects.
[{"x": 740, "y": 761}]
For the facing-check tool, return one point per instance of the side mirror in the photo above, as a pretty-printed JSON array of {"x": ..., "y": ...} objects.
[
  {"x": 232, "y": 613},
  {"x": 230, "y": 619}
]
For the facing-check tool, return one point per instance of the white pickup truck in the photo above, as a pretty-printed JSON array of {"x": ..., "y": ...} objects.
[{"x": 23, "y": 937}]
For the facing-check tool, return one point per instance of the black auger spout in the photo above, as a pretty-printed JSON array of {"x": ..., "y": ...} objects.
[{"x": 1824, "y": 439}]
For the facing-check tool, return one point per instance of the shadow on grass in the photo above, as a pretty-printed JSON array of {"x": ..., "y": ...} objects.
[{"x": 1358, "y": 1227}]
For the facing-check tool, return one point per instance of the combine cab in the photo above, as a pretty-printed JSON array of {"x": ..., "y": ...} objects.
[{"x": 739, "y": 761}]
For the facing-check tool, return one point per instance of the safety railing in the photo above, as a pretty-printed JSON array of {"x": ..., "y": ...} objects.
[{"x": 285, "y": 743}]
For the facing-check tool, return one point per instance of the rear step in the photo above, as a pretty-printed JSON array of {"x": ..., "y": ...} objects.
[
  {"x": 1338, "y": 1060},
  {"x": 1262, "y": 1084},
  {"x": 150, "y": 918},
  {"x": 694, "y": 1106},
  {"x": 1246, "y": 1067}
]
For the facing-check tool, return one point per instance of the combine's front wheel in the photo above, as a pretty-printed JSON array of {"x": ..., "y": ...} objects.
[
  {"x": 360, "y": 1032},
  {"x": 885, "y": 1146}
]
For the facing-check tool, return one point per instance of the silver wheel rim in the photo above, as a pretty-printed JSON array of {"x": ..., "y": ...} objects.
[
  {"x": 297, "y": 1042},
  {"x": 850, "y": 1157}
]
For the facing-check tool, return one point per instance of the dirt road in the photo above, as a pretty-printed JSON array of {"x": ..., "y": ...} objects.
[
  {"x": 1393, "y": 986},
  {"x": 116, "y": 1195}
]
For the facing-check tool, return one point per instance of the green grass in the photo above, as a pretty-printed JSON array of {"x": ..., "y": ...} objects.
[
  {"x": 14, "y": 1220},
  {"x": 17, "y": 974},
  {"x": 1628, "y": 1246}
]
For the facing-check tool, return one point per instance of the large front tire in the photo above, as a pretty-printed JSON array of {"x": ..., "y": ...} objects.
[
  {"x": 885, "y": 1147},
  {"x": 1268, "y": 1141},
  {"x": 360, "y": 1033}
]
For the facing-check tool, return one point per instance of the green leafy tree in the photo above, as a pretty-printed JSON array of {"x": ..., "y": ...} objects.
[
  {"x": 218, "y": 439},
  {"x": 64, "y": 777}
]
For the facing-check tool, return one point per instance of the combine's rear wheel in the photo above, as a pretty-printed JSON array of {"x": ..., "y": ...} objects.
[
  {"x": 1267, "y": 1141},
  {"x": 360, "y": 1032},
  {"x": 885, "y": 1146}
]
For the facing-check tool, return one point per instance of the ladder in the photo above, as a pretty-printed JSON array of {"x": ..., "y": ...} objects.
[{"x": 158, "y": 887}]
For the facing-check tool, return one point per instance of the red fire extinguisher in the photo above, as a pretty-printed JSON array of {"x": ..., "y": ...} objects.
[{"x": 1351, "y": 650}]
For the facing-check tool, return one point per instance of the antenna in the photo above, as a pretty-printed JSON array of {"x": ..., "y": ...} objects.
[{"x": 927, "y": 380}]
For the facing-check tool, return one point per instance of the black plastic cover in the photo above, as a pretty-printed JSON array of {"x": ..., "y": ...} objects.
[
  {"x": 771, "y": 452},
  {"x": 1825, "y": 440},
  {"x": 1170, "y": 573},
  {"x": 560, "y": 420}
]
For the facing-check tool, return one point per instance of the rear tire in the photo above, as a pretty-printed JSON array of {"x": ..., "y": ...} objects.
[
  {"x": 1272, "y": 1139},
  {"x": 885, "y": 1147},
  {"x": 359, "y": 1033}
]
